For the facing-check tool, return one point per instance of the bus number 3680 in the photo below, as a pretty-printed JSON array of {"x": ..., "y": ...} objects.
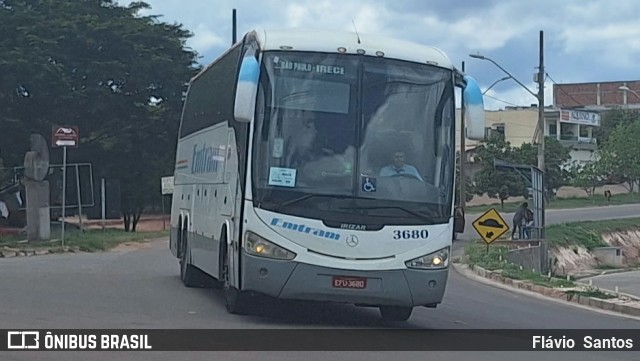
[{"x": 411, "y": 234}]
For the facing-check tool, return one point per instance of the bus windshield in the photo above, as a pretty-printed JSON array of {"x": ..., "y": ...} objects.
[{"x": 354, "y": 138}]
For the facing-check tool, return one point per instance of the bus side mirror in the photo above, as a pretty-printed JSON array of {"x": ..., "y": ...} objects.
[
  {"x": 474, "y": 110},
  {"x": 246, "y": 90},
  {"x": 458, "y": 220}
]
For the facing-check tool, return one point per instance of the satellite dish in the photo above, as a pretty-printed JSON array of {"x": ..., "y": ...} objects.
[{"x": 36, "y": 161}]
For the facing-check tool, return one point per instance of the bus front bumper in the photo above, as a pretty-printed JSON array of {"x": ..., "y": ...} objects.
[{"x": 294, "y": 280}]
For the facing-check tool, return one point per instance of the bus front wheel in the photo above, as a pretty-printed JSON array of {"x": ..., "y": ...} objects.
[
  {"x": 188, "y": 273},
  {"x": 235, "y": 301},
  {"x": 395, "y": 313}
]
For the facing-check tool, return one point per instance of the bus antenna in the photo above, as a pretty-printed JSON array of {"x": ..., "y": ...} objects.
[{"x": 354, "y": 27}]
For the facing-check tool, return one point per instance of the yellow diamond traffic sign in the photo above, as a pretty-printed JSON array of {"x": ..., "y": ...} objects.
[{"x": 490, "y": 226}]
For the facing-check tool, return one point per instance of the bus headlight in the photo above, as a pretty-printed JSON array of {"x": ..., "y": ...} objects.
[
  {"x": 436, "y": 260},
  {"x": 258, "y": 246}
]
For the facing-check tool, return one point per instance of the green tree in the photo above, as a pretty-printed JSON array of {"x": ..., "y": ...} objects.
[
  {"x": 117, "y": 75},
  {"x": 556, "y": 160},
  {"x": 587, "y": 177},
  {"x": 503, "y": 194},
  {"x": 504, "y": 184},
  {"x": 495, "y": 182},
  {"x": 3, "y": 173},
  {"x": 621, "y": 154},
  {"x": 468, "y": 183},
  {"x": 611, "y": 120}
]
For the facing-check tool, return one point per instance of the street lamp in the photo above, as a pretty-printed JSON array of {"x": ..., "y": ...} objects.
[
  {"x": 627, "y": 89},
  {"x": 539, "y": 97},
  {"x": 494, "y": 83},
  {"x": 540, "y": 76},
  {"x": 478, "y": 56}
]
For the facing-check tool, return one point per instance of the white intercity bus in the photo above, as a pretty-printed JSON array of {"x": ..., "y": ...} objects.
[{"x": 320, "y": 166}]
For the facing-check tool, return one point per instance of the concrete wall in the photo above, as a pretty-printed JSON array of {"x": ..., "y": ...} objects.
[
  {"x": 583, "y": 156},
  {"x": 604, "y": 94},
  {"x": 532, "y": 257},
  {"x": 519, "y": 124}
]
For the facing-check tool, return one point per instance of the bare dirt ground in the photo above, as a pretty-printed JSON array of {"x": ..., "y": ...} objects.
[
  {"x": 147, "y": 223},
  {"x": 131, "y": 246}
]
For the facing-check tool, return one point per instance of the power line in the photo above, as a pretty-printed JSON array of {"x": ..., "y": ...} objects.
[
  {"x": 564, "y": 91},
  {"x": 500, "y": 100}
]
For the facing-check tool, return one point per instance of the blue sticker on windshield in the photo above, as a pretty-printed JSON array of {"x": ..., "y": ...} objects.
[{"x": 368, "y": 184}]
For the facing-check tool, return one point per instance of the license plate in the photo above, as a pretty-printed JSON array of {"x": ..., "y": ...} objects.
[{"x": 349, "y": 282}]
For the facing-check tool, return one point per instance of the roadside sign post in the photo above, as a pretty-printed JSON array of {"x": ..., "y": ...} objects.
[
  {"x": 490, "y": 226},
  {"x": 64, "y": 188},
  {"x": 167, "y": 188},
  {"x": 64, "y": 136},
  {"x": 79, "y": 198},
  {"x": 102, "y": 200}
]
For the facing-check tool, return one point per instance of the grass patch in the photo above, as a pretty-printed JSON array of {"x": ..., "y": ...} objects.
[
  {"x": 491, "y": 260},
  {"x": 537, "y": 278},
  {"x": 593, "y": 292},
  {"x": 8, "y": 239},
  {"x": 588, "y": 233},
  {"x": 495, "y": 259},
  {"x": 565, "y": 203},
  {"x": 87, "y": 241}
]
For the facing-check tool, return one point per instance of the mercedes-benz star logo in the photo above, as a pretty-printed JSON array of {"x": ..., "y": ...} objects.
[{"x": 352, "y": 240}]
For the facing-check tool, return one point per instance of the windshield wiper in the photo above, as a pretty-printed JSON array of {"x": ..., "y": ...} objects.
[
  {"x": 307, "y": 196},
  {"x": 414, "y": 213}
]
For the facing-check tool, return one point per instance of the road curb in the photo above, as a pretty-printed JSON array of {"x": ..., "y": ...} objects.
[
  {"x": 624, "y": 304},
  {"x": 29, "y": 252}
]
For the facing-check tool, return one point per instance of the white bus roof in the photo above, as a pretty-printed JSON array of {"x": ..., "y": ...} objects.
[{"x": 329, "y": 41}]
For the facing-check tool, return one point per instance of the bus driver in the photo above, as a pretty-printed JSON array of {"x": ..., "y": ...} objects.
[{"x": 399, "y": 168}]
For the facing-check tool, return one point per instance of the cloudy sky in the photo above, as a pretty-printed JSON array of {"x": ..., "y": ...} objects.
[{"x": 584, "y": 40}]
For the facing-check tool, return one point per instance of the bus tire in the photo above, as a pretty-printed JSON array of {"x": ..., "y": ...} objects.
[
  {"x": 179, "y": 238},
  {"x": 189, "y": 275},
  {"x": 235, "y": 301},
  {"x": 395, "y": 313}
]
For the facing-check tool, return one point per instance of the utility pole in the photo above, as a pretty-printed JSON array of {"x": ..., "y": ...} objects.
[
  {"x": 539, "y": 133},
  {"x": 463, "y": 198},
  {"x": 541, "y": 77}
]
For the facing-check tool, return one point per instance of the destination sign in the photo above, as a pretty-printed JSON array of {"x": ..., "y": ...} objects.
[{"x": 307, "y": 67}]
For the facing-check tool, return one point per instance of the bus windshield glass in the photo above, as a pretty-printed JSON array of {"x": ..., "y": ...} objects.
[{"x": 354, "y": 138}]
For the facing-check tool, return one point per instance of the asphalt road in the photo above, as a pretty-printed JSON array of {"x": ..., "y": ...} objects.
[
  {"x": 140, "y": 288},
  {"x": 627, "y": 282}
]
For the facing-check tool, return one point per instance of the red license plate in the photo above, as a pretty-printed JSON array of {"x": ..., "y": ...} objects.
[{"x": 349, "y": 282}]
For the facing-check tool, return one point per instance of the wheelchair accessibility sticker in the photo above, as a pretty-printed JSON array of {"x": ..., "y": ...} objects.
[{"x": 368, "y": 184}]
